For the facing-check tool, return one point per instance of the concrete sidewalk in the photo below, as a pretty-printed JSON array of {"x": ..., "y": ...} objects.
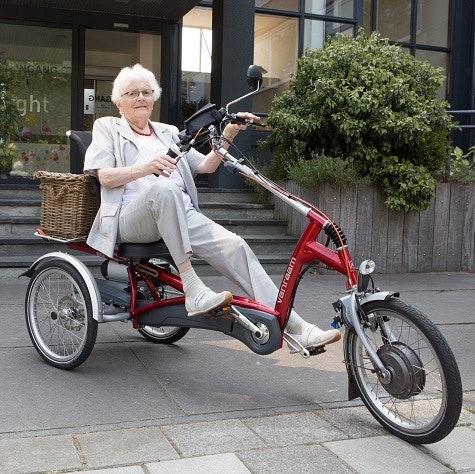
[{"x": 207, "y": 404}]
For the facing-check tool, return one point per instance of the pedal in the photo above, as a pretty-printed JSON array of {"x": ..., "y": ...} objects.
[
  {"x": 316, "y": 350},
  {"x": 295, "y": 346},
  {"x": 220, "y": 312}
]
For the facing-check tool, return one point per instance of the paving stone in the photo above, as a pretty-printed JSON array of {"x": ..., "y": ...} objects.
[
  {"x": 293, "y": 429},
  {"x": 457, "y": 450},
  {"x": 356, "y": 422},
  {"x": 114, "y": 470},
  {"x": 45, "y": 453},
  {"x": 213, "y": 464},
  {"x": 126, "y": 446},
  {"x": 293, "y": 459},
  {"x": 211, "y": 437},
  {"x": 467, "y": 417},
  {"x": 386, "y": 454}
]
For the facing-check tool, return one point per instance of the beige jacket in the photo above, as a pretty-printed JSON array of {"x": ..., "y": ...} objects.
[{"x": 114, "y": 144}]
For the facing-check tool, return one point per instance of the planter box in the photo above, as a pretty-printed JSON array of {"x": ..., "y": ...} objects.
[{"x": 441, "y": 238}]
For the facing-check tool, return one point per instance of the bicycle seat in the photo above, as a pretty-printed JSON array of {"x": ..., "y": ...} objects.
[{"x": 144, "y": 250}]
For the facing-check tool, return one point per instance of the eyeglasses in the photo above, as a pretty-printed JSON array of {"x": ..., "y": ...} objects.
[{"x": 147, "y": 93}]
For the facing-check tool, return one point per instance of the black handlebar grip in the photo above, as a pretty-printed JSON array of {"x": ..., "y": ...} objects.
[{"x": 171, "y": 154}]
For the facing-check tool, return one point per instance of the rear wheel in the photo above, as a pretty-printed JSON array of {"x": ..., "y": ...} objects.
[
  {"x": 422, "y": 400},
  {"x": 58, "y": 313},
  {"x": 164, "y": 334}
]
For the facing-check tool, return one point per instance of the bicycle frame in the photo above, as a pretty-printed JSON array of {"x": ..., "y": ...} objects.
[{"x": 171, "y": 311}]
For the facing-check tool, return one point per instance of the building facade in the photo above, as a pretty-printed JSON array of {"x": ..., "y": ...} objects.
[{"x": 61, "y": 57}]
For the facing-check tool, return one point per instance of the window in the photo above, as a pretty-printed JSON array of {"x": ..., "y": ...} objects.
[
  {"x": 428, "y": 38},
  {"x": 432, "y": 22},
  {"x": 437, "y": 59},
  {"x": 275, "y": 49},
  {"x": 394, "y": 19},
  {"x": 316, "y": 32},
  {"x": 340, "y": 8},
  {"x": 196, "y": 60},
  {"x": 289, "y": 5},
  {"x": 40, "y": 60}
]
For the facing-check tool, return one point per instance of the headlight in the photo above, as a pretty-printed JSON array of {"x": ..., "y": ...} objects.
[{"x": 366, "y": 268}]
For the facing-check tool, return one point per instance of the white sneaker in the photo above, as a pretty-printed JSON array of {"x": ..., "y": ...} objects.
[
  {"x": 313, "y": 336},
  {"x": 207, "y": 302}
]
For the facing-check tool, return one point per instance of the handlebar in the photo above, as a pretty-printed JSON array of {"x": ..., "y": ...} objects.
[{"x": 235, "y": 118}]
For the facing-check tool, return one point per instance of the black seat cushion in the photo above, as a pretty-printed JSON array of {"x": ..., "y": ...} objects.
[{"x": 144, "y": 250}]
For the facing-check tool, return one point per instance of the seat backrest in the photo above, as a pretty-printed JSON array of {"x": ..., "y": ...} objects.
[{"x": 82, "y": 139}]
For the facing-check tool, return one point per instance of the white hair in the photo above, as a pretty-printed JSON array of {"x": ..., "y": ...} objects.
[{"x": 134, "y": 73}]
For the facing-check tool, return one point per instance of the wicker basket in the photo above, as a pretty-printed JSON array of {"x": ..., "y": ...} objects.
[{"x": 68, "y": 205}]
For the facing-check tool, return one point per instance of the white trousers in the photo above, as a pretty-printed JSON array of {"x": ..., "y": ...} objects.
[{"x": 158, "y": 212}]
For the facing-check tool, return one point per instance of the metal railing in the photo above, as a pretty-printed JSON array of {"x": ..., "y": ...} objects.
[{"x": 463, "y": 112}]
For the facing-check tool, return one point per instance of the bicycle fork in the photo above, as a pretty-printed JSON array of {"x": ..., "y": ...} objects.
[{"x": 347, "y": 307}]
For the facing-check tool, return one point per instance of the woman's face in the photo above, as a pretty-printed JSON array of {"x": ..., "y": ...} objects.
[{"x": 136, "y": 109}]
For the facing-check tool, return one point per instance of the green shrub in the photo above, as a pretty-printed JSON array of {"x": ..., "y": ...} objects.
[
  {"x": 459, "y": 167},
  {"x": 8, "y": 110},
  {"x": 371, "y": 103},
  {"x": 323, "y": 168}
]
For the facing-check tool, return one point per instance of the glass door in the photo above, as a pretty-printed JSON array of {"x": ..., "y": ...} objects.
[{"x": 107, "y": 52}]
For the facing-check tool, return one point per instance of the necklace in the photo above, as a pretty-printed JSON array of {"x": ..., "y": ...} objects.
[{"x": 141, "y": 133}]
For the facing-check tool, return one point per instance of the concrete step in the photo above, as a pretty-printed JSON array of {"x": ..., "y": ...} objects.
[
  {"x": 226, "y": 195},
  {"x": 237, "y": 211},
  {"x": 18, "y": 226},
  {"x": 13, "y": 191},
  {"x": 32, "y": 245},
  {"x": 26, "y": 226},
  {"x": 19, "y": 207}
]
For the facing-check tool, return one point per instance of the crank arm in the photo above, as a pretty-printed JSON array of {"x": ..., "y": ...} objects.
[
  {"x": 296, "y": 346},
  {"x": 245, "y": 322}
]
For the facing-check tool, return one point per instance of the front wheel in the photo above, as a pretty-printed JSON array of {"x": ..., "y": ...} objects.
[
  {"x": 422, "y": 399},
  {"x": 58, "y": 313}
]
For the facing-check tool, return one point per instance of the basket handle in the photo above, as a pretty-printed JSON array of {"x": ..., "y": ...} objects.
[{"x": 50, "y": 191}]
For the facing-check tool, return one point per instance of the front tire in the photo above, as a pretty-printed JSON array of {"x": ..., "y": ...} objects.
[
  {"x": 58, "y": 313},
  {"x": 422, "y": 401}
]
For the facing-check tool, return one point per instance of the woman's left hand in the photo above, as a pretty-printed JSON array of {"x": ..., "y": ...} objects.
[{"x": 232, "y": 129}]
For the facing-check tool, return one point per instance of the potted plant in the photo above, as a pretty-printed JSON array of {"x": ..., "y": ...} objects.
[{"x": 8, "y": 153}]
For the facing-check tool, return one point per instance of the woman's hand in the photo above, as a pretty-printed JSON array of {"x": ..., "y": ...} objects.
[
  {"x": 162, "y": 165},
  {"x": 232, "y": 129},
  {"x": 212, "y": 160}
]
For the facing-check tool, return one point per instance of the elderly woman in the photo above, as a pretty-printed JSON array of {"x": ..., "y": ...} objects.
[{"x": 127, "y": 154}]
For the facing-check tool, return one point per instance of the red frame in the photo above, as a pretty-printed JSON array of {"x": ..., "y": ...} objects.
[{"x": 306, "y": 251}]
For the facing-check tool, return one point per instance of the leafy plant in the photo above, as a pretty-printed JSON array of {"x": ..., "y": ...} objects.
[
  {"x": 8, "y": 152},
  {"x": 323, "y": 168},
  {"x": 371, "y": 104},
  {"x": 8, "y": 110},
  {"x": 459, "y": 166}
]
